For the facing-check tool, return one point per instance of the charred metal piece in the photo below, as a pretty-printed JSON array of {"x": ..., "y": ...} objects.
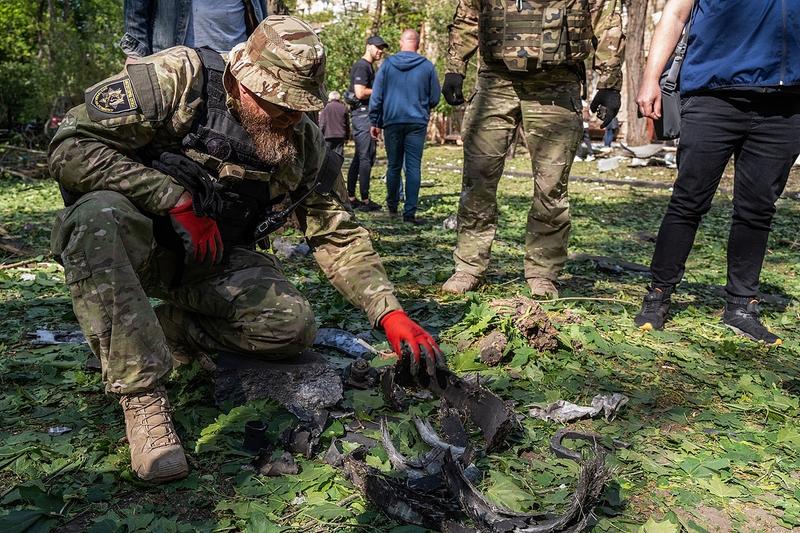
[
  {"x": 304, "y": 437},
  {"x": 255, "y": 436},
  {"x": 360, "y": 375},
  {"x": 269, "y": 465},
  {"x": 433, "y": 440},
  {"x": 588, "y": 492},
  {"x": 398, "y": 501},
  {"x": 559, "y": 450},
  {"x": 491, "y": 414},
  {"x": 392, "y": 392}
]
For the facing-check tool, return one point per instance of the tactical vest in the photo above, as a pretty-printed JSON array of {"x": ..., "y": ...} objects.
[
  {"x": 219, "y": 141},
  {"x": 526, "y": 35}
]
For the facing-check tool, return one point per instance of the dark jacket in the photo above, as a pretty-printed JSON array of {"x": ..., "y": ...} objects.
[
  {"x": 405, "y": 90},
  {"x": 742, "y": 44},
  {"x": 334, "y": 121},
  {"x": 155, "y": 25}
]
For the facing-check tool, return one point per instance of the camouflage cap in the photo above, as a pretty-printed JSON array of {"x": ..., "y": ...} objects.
[{"x": 282, "y": 62}]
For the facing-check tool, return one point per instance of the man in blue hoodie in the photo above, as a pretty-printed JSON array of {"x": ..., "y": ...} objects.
[
  {"x": 740, "y": 89},
  {"x": 405, "y": 90}
]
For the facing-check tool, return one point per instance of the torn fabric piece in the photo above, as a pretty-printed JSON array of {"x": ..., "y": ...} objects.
[{"x": 563, "y": 411}]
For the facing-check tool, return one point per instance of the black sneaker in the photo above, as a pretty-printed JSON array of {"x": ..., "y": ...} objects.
[
  {"x": 369, "y": 205},
  {"x": 654, "y": 310},
  {"x": 355, "y": 203},
  {"x": 741, "y": 315}
]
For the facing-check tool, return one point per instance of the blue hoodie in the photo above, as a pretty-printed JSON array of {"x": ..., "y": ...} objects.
[{"x": 404, "y": 91}]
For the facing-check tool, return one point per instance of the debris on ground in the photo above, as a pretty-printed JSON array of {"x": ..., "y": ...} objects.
[
  {"x": 530, "y": 320},
  {"x": 563, "y": 411},
  {"x": 492, "y": 347},
  {"x": 344, "y": 342},
  {"x": 611, "y": 163},
  {"x": 611, "y": 264},
  {"x": 276, "y": 464},
  {"x": 47, "y": 337},
  {"x": 286, "y": 249},
  {"x": 306, "y": 381},
  {"x": 450, "y": 223},
  {"x": 55, "y": 431}
]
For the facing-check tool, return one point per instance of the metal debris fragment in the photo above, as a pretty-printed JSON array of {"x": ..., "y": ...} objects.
[
  {"x": 563, "y": 411},
  {"x": 55, "y": 431},
  {"x": 46, "y": 337},
  {"x": 306, "y": 381}
]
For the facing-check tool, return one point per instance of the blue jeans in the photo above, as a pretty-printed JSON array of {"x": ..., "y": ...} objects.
[{"x": 404, "y": 145}]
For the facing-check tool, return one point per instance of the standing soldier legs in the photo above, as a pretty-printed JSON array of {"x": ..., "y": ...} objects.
[{"x": 548, "y": 104}]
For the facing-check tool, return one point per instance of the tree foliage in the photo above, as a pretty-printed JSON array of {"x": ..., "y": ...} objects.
[{"x": 52, "y": 49}]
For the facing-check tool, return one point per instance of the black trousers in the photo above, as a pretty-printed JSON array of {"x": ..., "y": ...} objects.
[
  {"x": 762, "y": 132},
  {"x": 335, "y": 145},
  {"x": 364, "y": 157}
]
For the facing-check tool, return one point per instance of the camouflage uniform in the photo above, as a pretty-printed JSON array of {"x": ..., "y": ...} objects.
[
  {"x": 109, "y": 240},
  {"x": 530, "y": 70}
]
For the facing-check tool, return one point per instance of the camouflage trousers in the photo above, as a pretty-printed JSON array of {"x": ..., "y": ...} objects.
[
  {"x": 112, "y": 264},
  {"x": 548, "y": 105}
]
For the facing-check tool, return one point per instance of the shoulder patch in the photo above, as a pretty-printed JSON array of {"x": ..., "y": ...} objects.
[{"x": 111, "y": 99}]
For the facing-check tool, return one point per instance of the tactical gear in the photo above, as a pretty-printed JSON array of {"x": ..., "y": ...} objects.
[
  {"x": 542, "y": 287},
  {"x": 655, "y": 307},
  {"x": 412, "y": 344},
  {"x": 605, "y": 105},
  {"x": 460, "y": 282},
  {"x": 156, "y": 451},
  {"x": 206, "y": 200},
  {"x": 283, "y": 62},
  {"x": 540, "y": 34},
  {"x": 218, "y": 139},
  {"x": 741, "y": 315},
  {"x": 452, "y": 89}
]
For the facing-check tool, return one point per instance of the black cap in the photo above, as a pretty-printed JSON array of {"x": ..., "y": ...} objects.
[{"x": 378, "y": 41}]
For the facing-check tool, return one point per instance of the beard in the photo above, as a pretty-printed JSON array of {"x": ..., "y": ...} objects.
[{"x": 274, "y": 146}]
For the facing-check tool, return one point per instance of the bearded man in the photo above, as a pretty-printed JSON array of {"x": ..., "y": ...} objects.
[{"x": 166, "y": 170}]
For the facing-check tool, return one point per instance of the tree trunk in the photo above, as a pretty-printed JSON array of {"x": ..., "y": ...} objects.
[
  {"x": 277, "y": 7},
  {"x": 375, "y": 26},
  {"x": 634, "y": 63}
]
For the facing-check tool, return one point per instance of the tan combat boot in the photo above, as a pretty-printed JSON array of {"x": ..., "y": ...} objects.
[
  {"x": 156, "y": 451},
  {"x": 542, "y": 288},
  {"x": 460, "y": 282}
]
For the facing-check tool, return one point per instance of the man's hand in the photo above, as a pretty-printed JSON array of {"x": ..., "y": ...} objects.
[
  {"x": 375, "y": 132},
  {"x": 605, "y": 105},
  {"x": 649, "y": 98},
  {"x": 453, "y": 87},
  {"x": 200, "y": 235},
  {"x": 402, "y": 332}
]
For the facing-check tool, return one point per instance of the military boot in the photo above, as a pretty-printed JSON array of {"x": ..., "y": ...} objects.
[
  {"x": 741, "y": 315},
  {"x": 655, "y": 307},
  {"x": 460, "y": 282},
  {"x": 156, "y": 451},
  {"x": 542, "y": 288}
]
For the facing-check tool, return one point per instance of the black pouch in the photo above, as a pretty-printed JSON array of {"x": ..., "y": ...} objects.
[
  {"x": 351, "y": 100},
  {"x": 669, "y": 125}
]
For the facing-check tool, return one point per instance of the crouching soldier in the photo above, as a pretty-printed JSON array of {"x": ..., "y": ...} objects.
[{"x": 144, "y": 220}]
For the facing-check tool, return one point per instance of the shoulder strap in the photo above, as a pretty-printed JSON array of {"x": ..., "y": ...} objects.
[{"x": 680, "y": 52}]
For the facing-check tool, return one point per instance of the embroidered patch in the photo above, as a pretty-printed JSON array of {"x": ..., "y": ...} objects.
[{"x": 115, "y": 97}]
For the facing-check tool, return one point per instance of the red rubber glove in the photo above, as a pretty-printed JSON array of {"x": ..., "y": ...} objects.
[
  {"x": 402, "y": 332},
  {"x": 200, "y": 235}
]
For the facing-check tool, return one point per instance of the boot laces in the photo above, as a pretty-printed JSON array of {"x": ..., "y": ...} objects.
[{"x": 157, "y": 419}]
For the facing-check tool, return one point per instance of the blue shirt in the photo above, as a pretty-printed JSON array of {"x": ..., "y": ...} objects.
[{"x": 217, "y": 24}]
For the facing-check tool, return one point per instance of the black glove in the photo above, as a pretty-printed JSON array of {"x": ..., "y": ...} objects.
[
  {"x": 195, "y": 179},
  {"x": 452, "y": 90},
  {"x": 605, "y": 105}
]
